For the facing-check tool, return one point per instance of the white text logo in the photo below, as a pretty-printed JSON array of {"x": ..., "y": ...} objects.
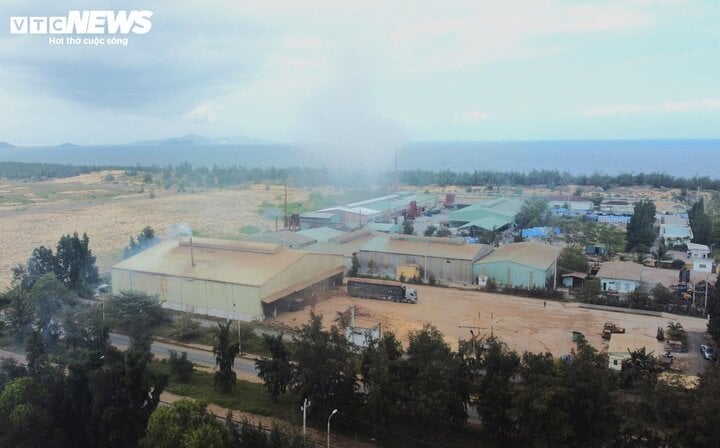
[{"x": 85, "y": 22}]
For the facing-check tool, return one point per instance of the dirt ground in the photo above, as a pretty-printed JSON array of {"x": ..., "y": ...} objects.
[
  {"x": 521, "y": 323},
  {"x": 114, "y": 212}
]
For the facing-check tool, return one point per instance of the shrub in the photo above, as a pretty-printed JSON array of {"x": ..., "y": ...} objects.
[{"x": 180, "y": 368}]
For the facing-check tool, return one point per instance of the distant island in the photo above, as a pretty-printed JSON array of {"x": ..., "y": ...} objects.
[
  {"x": 192, "y": 139},
  {"x": 6, "y": 145}
]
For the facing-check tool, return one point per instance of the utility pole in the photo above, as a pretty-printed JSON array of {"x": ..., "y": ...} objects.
[
  {"x": 286, "y": 217},
  {"x": 303, "y": 408}
]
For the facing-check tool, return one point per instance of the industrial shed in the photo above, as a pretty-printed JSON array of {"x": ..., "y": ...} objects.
[
  {"x": 230, "y": 279},
  {"x": 525, "y": 265},
  {"x": 448, "y": 260},
  {"x": 497, "y": 214}
]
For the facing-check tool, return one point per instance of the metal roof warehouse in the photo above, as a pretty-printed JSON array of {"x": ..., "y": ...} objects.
[{"x": 231, "y": 279}]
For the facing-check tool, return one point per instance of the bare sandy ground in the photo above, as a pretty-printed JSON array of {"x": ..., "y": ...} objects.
[
  {"x": 521, "y": 323},
  {"x": 110, "y": 223}
]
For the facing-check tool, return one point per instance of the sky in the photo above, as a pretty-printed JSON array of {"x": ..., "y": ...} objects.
[{"x": 370, "y": 73}]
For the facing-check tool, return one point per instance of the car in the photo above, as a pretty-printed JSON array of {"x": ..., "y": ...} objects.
[{"x": 708, "y": 353}]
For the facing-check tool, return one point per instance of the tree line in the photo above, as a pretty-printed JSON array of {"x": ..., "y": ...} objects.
[{"x": 187, "y": 174}]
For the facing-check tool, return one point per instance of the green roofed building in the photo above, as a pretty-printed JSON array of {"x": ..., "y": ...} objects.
[
  {"x": 497, "y": 214},
  {"x": 525, "y": 265}
]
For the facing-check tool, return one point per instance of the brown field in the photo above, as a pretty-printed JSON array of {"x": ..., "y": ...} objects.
[
  {"x": 39, "y": 213},
  {"x": 521, "y": 323}
]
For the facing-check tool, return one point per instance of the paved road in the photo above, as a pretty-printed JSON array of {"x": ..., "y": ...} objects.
[{"x": 199, "y": 357}]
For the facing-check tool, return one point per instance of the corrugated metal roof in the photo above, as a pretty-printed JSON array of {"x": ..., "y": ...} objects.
[
  {"x": 676, "y": 231},
  {"x": 695, "y": 246},
  {"x": 488, "y": 223},
  {"x": 243, "y": 263},
  {"x": 321, "y": 234},
  {"x": 620, "y": 270},
  {"x": 344, "y": 248},
  {"x": 432, "y": 247},
  {"x": 363, "y": 211},
  {"x": 502, "y": 208},
  {"x": 532, "y": 253},
  {"x": 284, "y": 237},
  {"x": 317, "y": 215}
]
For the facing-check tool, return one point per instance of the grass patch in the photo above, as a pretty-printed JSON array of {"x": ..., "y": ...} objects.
[{"x": 246, "y": 397}]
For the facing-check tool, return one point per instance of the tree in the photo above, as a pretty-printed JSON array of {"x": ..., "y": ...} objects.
[
  {"x": 325, "y": 370},
  {"x": 430, "y": 230},
  {"x": 225, "y": 349},
  {"x": 533, "y": 213},
  {"x": 589, "y": 404},
  {"x": 640, "y": 228},
  {"x": 700, "y": 223},
  {"x": 354, "y": 266},
  {"x": 539, "y": 404},
  {"x": 676, "y": 332},
  {"x": 661, "y": 255},
  {"x": 37, "y": 358},
  {"x": 185, "y": 423},
  {"x": 572, "y": 259},
  {"x": 640, "y": 370},
  {"x": 136, "y": 313},
  {"x": 610, "y": 236},
  {"x": 75, "y": 262},
  {"x": 496, "y": 393},
  {"x": 145, "y": 239},
  {"x": 26, "y": 415},
  {"x": 662, "y": 294},
  {"x": 590, "y": 290},
  {"x": 184, "y": 327},
  {"x": 704, "y": 427},
  {"x": 407, "y": 227},
  {"x": 275, "y": 371},
  {"x": 381, "y": 369},
  {"x": 443, "y": 231},
  {"x": 180, "y": 367}
]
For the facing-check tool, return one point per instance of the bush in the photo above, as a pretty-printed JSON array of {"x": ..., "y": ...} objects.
[
  {"x": 180, "y": 368},
  {"x": 677, "y": 263},
  {"x": 184, "y": 328}
]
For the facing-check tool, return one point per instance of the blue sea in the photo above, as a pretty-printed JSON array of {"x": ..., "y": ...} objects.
[{"x": 686, "y": 158}]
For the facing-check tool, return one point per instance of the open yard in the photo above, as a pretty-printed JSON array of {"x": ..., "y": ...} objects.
[{"x": 521, "y": 323}]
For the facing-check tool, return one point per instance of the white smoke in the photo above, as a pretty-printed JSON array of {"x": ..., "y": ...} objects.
[{"x": 177, "y": 231}]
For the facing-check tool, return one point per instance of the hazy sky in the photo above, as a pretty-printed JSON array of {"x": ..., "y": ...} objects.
[{"x": 379, "y": 72}]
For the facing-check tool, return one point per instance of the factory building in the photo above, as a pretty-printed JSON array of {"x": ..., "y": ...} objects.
[
  {"x": 385, "y": 208},
  {"x": 447, "y": 260},
  {"x": 230, "y": 279},
  {"x": 498, "y": 214},
  {"x": 524, "y": 265}
]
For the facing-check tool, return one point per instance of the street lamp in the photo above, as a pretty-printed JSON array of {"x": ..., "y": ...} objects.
[{"x": 328, "y": 426}]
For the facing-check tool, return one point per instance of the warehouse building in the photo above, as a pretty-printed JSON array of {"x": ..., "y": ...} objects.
[
  {"x": 344, "y": 245},
  {"x": 230, "y": 279},
  {"x": 523, "y": 265},
  {"x": 620, "y": 276},
  {"x": 498, "y": 214},
  {"x": 447, "y": 260},
  {"x": 287, "y": 238},
  {"x": 385, "y": 208}
]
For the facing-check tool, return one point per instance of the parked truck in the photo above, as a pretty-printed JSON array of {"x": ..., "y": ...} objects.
[
  {"x": 381, "y": 290},
  {"x": 611, "y": 328}
]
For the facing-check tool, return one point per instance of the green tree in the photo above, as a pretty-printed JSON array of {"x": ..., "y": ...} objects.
[
  {"x": 700, "y": 223},
  {"x": 75, "y": 262},
  {"x": 661, "y": 255},
  {"x": 225, "y": 349},
  {"x": 184, "y": 327},
  {"x": 407, "y": 227},
  {"x": 662, "y": 294},
  {"x": 430, "y": 230},
  {"x": 640, "y": 228},
  {"x": 590, "y": 290},
  {"x": 572, "y": 259},
  {"x": 496, "y": 393},
  {"x": 533, "y": 213},
  {"x": 354, "y": 266},
  {"x": 704, "y": 427},
  {"x": 325, "y": 371},
  {"x": 443, "y": 231},
  {"x": 539, "y": 404},
  {"x": 26, "y": 415},
  {"x": 275, "y": 371},
  {"x": 590, "y": 405},
  {"x": 136, "y": 313},
  {"x": 432, "y": 393},
  {"x": 640, "y": 370},
  {"x": 180, "y": 367},
  {"x": 381, "y": 368},
  {"x": 611, "y": 237},
  {"x": 145, "y": 239},
  {"x": 185, "y": 423}
]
